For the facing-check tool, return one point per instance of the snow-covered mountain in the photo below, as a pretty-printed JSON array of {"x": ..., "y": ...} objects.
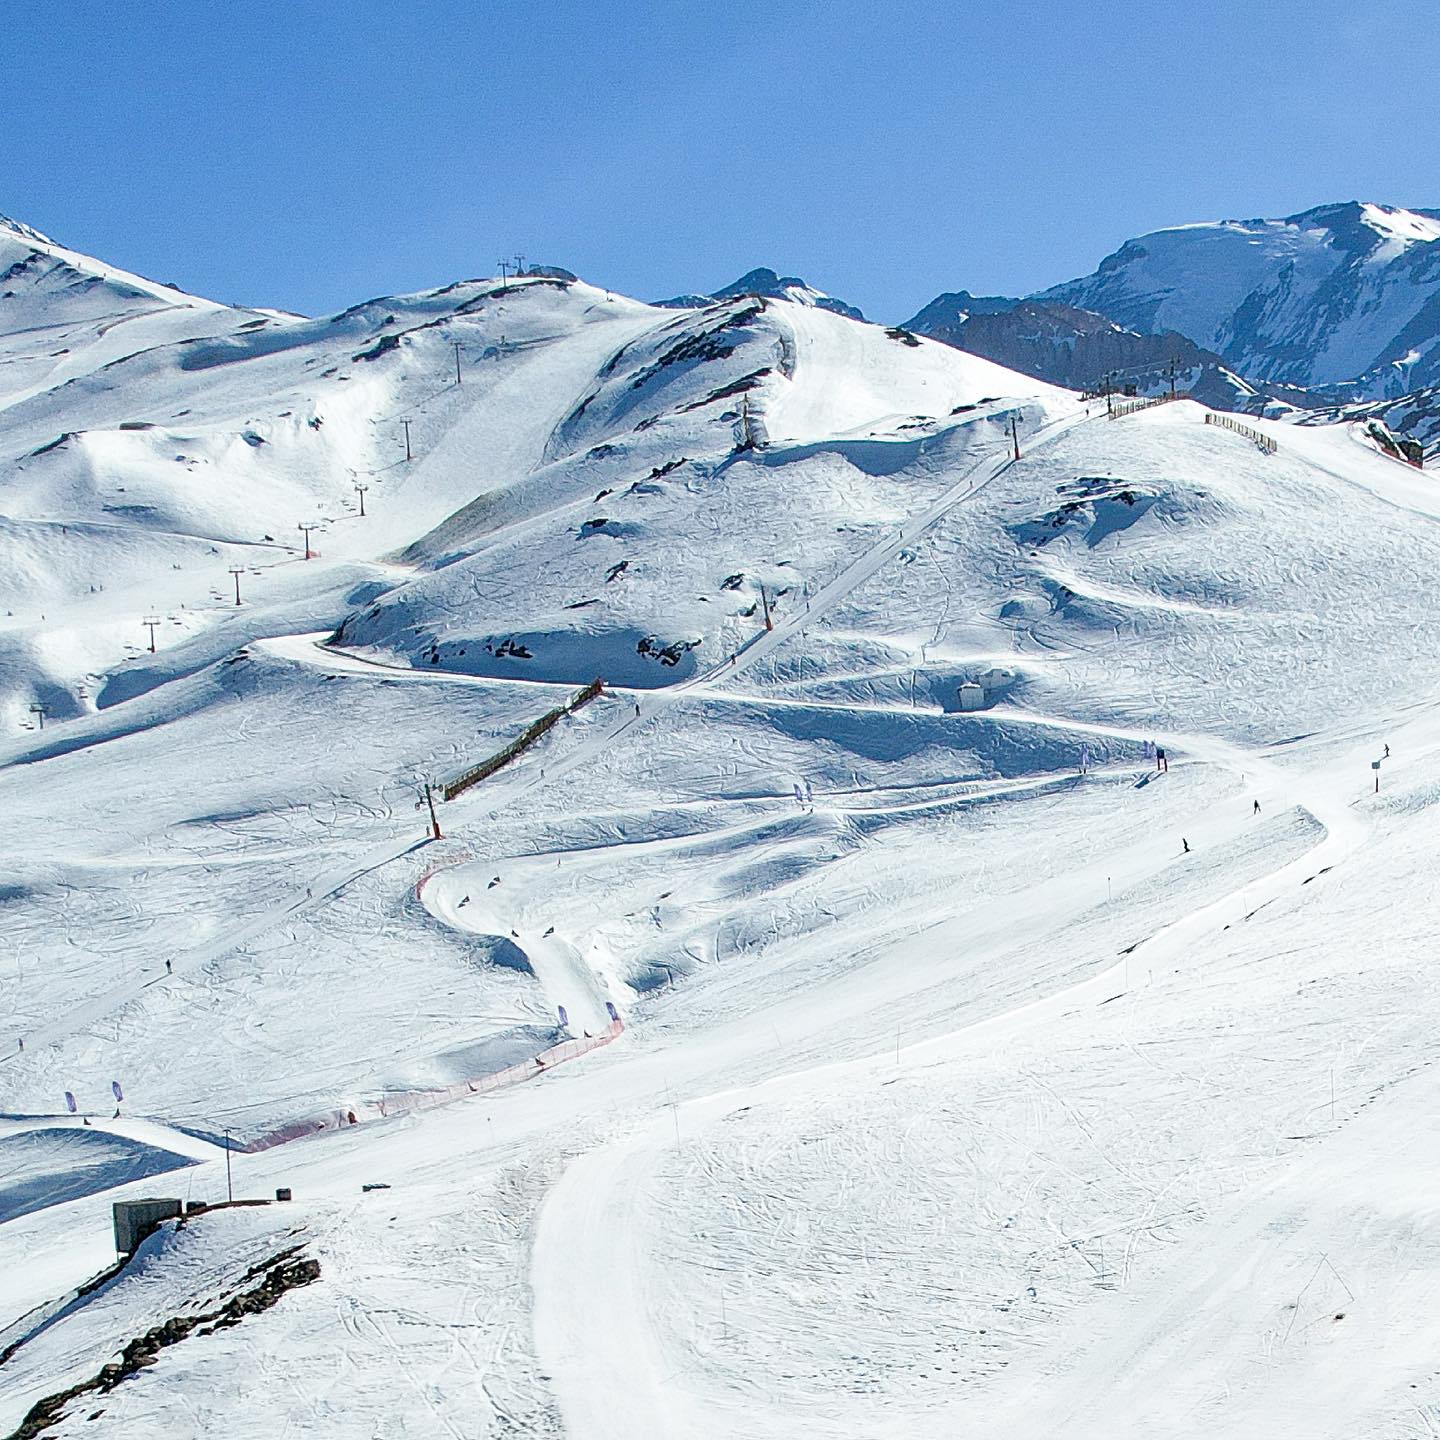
[
  {"x": 844, "y": 1023},
  {"x": 1340, "y": 295},
  {"x": 765, "y": 282},
  {"x": 1081, "y": 349}
]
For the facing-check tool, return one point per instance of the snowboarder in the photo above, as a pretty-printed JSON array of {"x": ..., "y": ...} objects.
[
  {"x": 1162, "y": 765},
  {"x": 1184, "y": 842}
]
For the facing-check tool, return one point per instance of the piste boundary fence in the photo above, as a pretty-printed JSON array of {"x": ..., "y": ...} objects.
[
  {"x": 521, "y": 743},
  {"x": 1263, "y": 441},
  {"x": 1117, "y": 408},
  {"x": 408, "y": 1102}
]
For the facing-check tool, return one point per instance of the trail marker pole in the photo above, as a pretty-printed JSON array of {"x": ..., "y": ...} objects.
[
  {"x": 360, "y": 490},
  {"x": 1014, "y": 437},
  {"x": 1375, "y": 766},
  {"x": 408, "y": 455},
  {"x": 237, "y": 571},
  {"x": 229, "y": 1187},
  {"x": 306, "y": 529},
  {"x": 458, "y": 380},
  {"x": 765, "y": 601},
  {"x": 150, "y": 622}
]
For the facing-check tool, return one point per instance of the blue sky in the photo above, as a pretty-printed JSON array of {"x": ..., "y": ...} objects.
[{"x": 312, "y": 154}]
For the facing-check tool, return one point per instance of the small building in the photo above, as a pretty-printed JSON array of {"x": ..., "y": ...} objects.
[
  {"x": 972, "y": 696},
  {"x": 137, "y": 1219}
]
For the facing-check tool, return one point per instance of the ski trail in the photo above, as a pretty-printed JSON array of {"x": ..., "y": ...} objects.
[
  {"x": 592, "y": 1331},
  {"x": 559, "y": 967}
]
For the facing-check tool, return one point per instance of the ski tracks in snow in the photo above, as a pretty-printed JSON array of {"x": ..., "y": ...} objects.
[{"x": 594, "y": 1331}]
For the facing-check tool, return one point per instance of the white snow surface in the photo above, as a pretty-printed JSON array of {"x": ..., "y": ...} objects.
[{"x": 958, "y": 1090}]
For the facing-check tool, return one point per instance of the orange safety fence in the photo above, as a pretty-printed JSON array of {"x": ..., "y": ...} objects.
[{"x": 407, "y": 1102}]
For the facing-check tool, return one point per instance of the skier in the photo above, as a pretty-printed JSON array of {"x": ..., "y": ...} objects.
[
  {"x": 637, "y": 712},
  {"x": 1387, "y": 752},
  {"x": 1162, "y": 765},
  {"x": 168, "y": 970},
  {"x": 1186, "y": 844},
  {"x": 1256, "y": 810}
]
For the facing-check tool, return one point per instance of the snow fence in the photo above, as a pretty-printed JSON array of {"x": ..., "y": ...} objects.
[
  {"x": 1225, "y": 421},
  {"x": 521, "y": 743},
  {"x": 1119, "y": 408}
]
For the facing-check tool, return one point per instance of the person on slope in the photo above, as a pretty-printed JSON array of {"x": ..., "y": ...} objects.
[
  {"x": 1162, "y": 765},
  {"x": 1256, "y": 810},
  {"x": 1185, "y": 844}
]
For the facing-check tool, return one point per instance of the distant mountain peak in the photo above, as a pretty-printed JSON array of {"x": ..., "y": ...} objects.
[
  {"x": 1341, "y": 295},
  {"x": 764, "y": 281},
  {"x": 24, "y": 231}
]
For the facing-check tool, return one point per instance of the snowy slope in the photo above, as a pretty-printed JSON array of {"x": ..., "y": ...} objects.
[
  {"x": 958, "y": 1089},
  {"x": 1338, "y": 295}
]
